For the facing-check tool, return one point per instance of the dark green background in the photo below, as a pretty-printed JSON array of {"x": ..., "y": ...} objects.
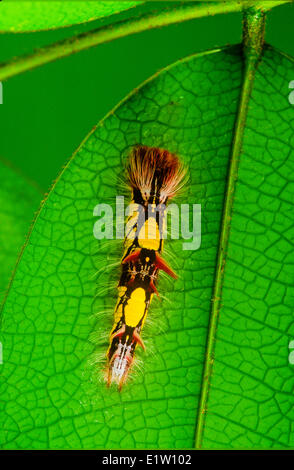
[{"x": 47, "y": 112}]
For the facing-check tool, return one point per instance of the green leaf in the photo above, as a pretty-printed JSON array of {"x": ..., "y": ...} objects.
[
  {"x": 18, "y": 16},
  {"x": 18, "y": 201},
  {"x": 51, "y": 394}
]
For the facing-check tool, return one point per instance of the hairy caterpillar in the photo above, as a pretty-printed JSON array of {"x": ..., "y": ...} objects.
[{"x": 154, "y": 176}]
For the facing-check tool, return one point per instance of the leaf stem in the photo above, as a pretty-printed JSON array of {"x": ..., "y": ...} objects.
[
  {"x": 124, "y": 28},
  {"x": 253, "y": 41}
]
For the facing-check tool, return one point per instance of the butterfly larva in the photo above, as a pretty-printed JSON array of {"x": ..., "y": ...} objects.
[{"x": 154, "y": 176}]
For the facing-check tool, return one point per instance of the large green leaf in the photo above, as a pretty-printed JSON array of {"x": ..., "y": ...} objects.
[
  {"x": 18, "y": 16},
  {"x": 18, "y": 201},
  {"x": 51, "y": 395}
]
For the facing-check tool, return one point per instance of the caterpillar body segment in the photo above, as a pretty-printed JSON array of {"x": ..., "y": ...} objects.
[{"x": 154, "y": 177}]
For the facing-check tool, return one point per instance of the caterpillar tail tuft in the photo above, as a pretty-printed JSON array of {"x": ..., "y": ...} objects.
[{"x": 154, "y": 176}]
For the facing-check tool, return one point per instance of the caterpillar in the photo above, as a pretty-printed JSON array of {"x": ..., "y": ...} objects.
[{"x": 154, "y": 176}]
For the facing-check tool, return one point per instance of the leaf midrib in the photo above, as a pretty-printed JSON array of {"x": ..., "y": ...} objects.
[{"x": 252, "y": 47}]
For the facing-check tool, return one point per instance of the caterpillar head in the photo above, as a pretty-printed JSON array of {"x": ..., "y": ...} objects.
[{"x": 154, "y": 174}]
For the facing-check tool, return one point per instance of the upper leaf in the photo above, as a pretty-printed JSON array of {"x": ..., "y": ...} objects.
[
  {"x": 18, "y": 16},
  {"x": 173, "y": 13}
]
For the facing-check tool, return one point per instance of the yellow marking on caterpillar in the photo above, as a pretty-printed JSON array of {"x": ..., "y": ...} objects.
[
  {"x": 118, "y": 308},
  {"x": 121, "y": 290},
  {"x": 149, "y": 235},
  {"x": 135, "y": 307},
  {"x": 118, "y": 313}
]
